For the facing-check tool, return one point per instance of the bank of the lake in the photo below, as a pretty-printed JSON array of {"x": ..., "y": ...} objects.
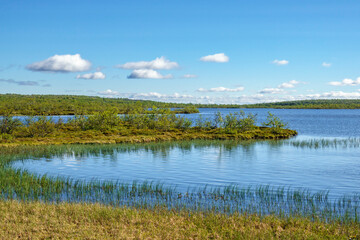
[{"x": 94, "y": 221}]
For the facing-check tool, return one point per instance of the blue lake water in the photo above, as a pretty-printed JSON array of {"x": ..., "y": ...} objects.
[{"x": 216, "y": 163}]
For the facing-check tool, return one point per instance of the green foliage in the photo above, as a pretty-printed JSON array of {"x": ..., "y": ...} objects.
[
  {"x": 102, "y": 121},
  {"x": 274, "y": 122},
  {"x": 155, "y": 123},
  {"x": 8, "y": 124},
  {"x": 39, "y": 126},
  {"x": 187, "y": 109},
  {"x": 238, "y": 121},
  {"x": 160, "y": 119},
  {"x": 310, "y": 104},
  {"x": 47, "y": 105}
]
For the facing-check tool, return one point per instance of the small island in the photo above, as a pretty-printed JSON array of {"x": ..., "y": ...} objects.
[{"x": 155, "y": 125}]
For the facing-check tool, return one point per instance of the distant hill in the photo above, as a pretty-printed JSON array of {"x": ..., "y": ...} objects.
[
  {"x": 310, "y": 104},
  {"x": 17, "y": 104}
]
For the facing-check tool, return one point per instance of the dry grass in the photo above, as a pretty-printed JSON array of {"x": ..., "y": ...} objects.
[{"x": 93, "y": 221}]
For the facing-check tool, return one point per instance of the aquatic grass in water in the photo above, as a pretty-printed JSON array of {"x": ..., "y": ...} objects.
[
  {"x": 262, "y": 200},
  {"x": 316, "y": 143}
]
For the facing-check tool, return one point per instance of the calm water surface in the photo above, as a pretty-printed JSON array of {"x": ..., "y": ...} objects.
[{"x": 217, "y": 163}]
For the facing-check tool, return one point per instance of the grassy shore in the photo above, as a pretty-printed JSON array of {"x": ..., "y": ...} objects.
[{"x": 94, "y": 221}]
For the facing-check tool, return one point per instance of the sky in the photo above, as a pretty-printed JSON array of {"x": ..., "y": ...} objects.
[{"x": 232, "y": 52}]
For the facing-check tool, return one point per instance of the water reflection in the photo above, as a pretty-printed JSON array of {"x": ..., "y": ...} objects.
[{"x": 319, "y": 164}]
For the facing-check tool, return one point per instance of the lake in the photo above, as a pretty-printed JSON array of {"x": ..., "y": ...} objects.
[{"x": 333, "y": 164}]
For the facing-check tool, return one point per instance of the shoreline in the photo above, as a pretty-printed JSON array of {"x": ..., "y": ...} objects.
[{"x": 79, "y": 220}]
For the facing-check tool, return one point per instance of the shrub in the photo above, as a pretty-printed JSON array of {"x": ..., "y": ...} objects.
[
  {"x": 102, "y": 121},
  {"x": 39, "y": 127},
  {"x": 8, "y": 124},
  {"x": 274, "y": 122},
  {"x": 238, "y": 121}
]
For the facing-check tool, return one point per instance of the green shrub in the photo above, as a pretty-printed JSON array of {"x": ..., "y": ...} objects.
[
  {"x": 274, "y": 122},
  {"x": 8, "y": 124},
  {"x": 40, "y": 126},
  {"x": 238, "y": 121}
]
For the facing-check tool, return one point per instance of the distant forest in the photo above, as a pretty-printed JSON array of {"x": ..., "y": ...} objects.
[
  {"x": 16, "y": 104},
  {"x": 310, "y": 104}
]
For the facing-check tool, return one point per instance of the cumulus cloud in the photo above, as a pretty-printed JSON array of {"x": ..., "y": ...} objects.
[
  {"x": 280, "y": 88},
  {"x": 271, "y": 91},
  {"x": 145, "y": 96},
  {"x": 227, "y": 99},
  {"x": 280, "y": 62},
  {"x": 335, "y": 94},
  {"x": 346, "y": 82},
  {"x": 325, "y": 64},
  {"x": 21, "y": 83},
  {"x": 221, "y": 89},
  {"x": 148, "y": 73},
  {"x": 61, "y": 63},
  {"x": 95, "y": 75},
  {"x": 189, "y": 76},
  {"x": 290, "y": 84},
  {"x": 157, "y": 64},
  {"x": 219, "y": 57},
  {"x": 109, "y": 92}
]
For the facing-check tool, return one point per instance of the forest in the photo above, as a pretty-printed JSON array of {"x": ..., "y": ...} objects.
[
  {"x": 310, "y": 104},
  {"x": 47, "y": 105}
]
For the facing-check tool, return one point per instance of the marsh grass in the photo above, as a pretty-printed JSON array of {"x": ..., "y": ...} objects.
[
  {"x": 324, "y": 143},
  {"x": 35, "y": 220},
  {"x": 21, "y": 185}
]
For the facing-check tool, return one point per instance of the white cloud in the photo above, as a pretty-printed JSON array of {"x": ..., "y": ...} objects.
[
  {"x": 148, "y": 73},
  {"x": 243, "y": 99},
  {"x": 159, "y": 95},
  {"x": 325, "y": 64},
  {"x": 95, "y": 75},
  {"x": 290, "y": 84},
  {"x": 221, "y": 89},
  {"x": 61, "y": 63},
  {"x": 109, "y": 92},
  {"x": 346, "y": 82},
  {"x": 158, "y": 63},
  {"x": 280, "y": 62},
  {"x": 219, "y": 57},
  {"x": 189, "y": 76},
  {"x": 271, "y": 91},
  {"x": 335, "y": 94}
]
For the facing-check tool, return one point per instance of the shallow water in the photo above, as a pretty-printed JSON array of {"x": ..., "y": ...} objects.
[{"x": 216, "y": 163}]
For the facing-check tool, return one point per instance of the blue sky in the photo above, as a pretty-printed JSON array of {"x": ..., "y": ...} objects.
[{"x": 182, "y": 51}]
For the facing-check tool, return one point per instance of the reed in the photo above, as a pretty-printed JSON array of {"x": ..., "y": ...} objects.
[{"x": 21, "y": 185}]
